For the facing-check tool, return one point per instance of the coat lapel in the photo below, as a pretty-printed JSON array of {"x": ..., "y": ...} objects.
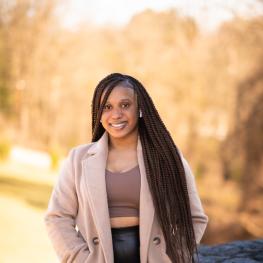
[{"x": 94, "y": 172}]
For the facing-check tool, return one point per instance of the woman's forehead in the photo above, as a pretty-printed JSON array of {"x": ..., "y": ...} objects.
[{"x": 120, "y": 92}]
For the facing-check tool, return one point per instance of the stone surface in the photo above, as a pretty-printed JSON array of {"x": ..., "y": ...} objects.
[{"x": 250, "y": 251}]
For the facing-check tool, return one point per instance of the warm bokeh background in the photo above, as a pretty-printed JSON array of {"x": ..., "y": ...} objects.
[{"x": 207, "y": 86}]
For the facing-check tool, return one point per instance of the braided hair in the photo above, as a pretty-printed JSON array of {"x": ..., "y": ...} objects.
[{"x": 164, "y": 168}]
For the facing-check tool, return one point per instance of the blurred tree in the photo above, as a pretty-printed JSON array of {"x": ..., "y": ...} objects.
[
  {"x": 5, "y": 89},
  {"x": 242, "y": 150},
  {"x": 24, "y": 24}
]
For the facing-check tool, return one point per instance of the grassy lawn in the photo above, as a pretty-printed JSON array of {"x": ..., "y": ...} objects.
[{"x": 24, "y": 195}]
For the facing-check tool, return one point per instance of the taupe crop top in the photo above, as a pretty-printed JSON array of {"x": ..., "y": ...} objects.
[{"x": 123, "y": 192}]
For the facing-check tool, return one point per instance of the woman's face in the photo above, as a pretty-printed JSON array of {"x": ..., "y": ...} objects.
[{"x": 119, "y": 117}]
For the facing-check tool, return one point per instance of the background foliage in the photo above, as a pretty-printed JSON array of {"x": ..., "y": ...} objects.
[{"x": 208, "y": 89}]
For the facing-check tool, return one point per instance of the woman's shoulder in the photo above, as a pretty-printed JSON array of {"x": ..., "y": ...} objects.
[{"x": 79, "y": 152}]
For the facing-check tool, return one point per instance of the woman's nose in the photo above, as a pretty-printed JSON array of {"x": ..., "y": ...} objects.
[{"x": 117, "y": 113}]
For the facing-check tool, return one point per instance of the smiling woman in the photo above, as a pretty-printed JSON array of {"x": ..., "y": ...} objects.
[
  {"x": 130, "y": 193},
  {"x": 120, "y": 113},
  {"x": 119, "y": 118}
]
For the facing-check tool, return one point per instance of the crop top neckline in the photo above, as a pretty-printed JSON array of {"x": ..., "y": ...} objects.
[{"x": 128, "y": 171}]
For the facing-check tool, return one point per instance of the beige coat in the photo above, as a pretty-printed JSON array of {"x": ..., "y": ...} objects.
[{"x": 77, "y": 218}]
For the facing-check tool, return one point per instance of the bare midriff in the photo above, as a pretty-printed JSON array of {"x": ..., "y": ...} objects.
[{"x": 117, "y": 222}]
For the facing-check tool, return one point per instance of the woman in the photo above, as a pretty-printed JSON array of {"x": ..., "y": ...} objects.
[{"x": 129, "y": 196}]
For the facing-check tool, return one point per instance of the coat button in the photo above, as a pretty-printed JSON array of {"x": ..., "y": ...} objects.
[
  {"x": 95, "y": 241},
  {"x": 156, "y": 241}
]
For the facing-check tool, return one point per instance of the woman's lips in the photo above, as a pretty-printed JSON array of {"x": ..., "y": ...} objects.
[{"x": 119, "y": 125}]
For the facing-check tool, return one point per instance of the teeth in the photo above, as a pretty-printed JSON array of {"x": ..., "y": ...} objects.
[{"x": 118, "y": 125}]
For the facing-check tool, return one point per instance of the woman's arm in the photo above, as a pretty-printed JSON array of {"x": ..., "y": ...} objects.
[
  {"x": 200, "y": 219},
  {"x": 60, "y": 217}
]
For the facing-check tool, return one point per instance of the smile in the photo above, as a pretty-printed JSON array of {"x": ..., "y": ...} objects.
[{"x": 118, "y": 125}]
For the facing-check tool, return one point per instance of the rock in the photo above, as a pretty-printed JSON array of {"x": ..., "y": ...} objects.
[{"x": 250, "y": 251}]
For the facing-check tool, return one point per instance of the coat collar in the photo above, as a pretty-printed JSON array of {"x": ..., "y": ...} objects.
[{"x": 94, "y": 165}]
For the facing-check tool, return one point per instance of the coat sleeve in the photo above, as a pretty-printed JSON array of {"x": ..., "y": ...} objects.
[
  {"x": 60, "y": 217},
  {"x": 200, "y": 219}
]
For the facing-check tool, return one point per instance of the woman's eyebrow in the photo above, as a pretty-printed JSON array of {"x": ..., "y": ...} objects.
[{"x": 122, "y": 100}]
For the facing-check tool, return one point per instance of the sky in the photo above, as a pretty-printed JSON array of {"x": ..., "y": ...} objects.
[{"x": 208, "y": 13}]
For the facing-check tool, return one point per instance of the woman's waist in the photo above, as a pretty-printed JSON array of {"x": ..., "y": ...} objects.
[{"x": 124, "y": 221}]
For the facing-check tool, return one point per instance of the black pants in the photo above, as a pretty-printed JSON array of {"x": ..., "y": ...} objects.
[{"x": 126, "y": 244}]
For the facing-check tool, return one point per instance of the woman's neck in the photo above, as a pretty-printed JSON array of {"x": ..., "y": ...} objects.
[{"x": 123, "y": 143}]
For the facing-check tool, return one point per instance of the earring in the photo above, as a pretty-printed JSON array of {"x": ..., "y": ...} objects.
[{"x": 140, "y": 113}]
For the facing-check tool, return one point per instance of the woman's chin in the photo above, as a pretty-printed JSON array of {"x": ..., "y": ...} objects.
[{"x": 121, "y": 134}]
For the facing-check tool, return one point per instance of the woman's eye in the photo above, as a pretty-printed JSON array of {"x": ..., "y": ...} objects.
[
  {"x": 125, "y": 105},
  {"x": 107, "y": 107}
]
